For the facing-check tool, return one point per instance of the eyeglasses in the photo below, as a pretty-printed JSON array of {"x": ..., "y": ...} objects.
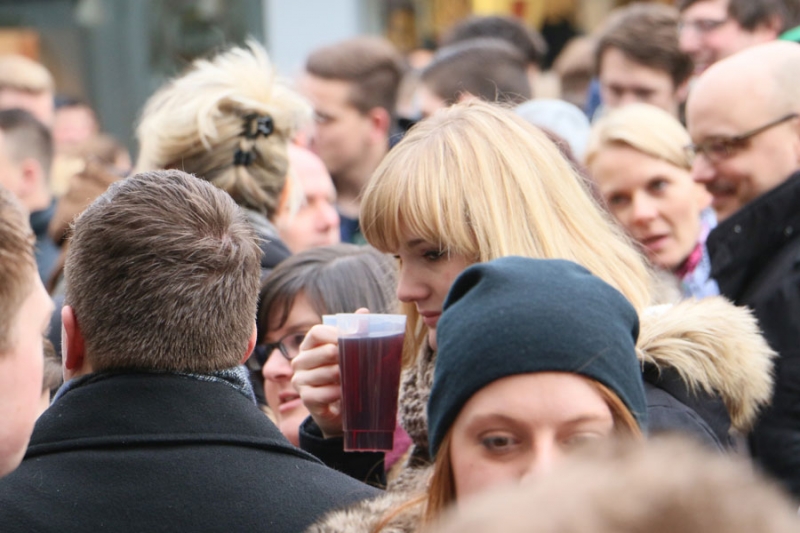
[
  {"x": 701, "y": 26},
  {"x": 288, "y": 346},
  {"x": 716, "y": 149}
]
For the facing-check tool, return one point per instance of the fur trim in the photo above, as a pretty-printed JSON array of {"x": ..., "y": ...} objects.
[
  {"x": 364, "y": 516},
  {"x": 715, "y": 346}
]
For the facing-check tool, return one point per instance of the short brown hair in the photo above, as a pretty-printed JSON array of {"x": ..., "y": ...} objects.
[
  {"x": 26, "y": 137},
  {"x": 750, "y": 14},
  {"x": 490, "y": 69},
  {"x": 647, "y": 34},
  {"x": 372, "y": 65},
  {"x": 528, "y": 41},
  {"x": 162, "y": 274},
  {"x": 17, "y": 263}
]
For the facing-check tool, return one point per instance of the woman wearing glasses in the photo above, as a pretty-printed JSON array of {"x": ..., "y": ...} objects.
[
  {"x": 637, "y": 156},
  {"x": 302, "y": 288}
]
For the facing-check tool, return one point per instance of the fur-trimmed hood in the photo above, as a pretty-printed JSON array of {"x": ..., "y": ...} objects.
[
  {"x": 715, "y": 347},
  {"x": 402, "y": 512}
]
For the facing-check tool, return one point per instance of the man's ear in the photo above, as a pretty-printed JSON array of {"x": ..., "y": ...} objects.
[
  {"x": 772, "y": 28},
  {"x": 381, "y": 123},
  {"x": 73, "y": 346},
  {"x": 251, "y": 344},
  {"x": 32, "y": 175}
]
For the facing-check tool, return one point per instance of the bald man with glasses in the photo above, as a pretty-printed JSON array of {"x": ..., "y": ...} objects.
[{"x": 743, "y": 115}]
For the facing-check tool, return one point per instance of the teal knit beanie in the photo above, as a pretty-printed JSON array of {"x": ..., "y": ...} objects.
[{"x": 517, "y": 315}]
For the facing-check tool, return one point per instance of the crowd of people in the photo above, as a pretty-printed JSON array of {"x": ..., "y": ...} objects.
[{"x": 601, "y": 287}]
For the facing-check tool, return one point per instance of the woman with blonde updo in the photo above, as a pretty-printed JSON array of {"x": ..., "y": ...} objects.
[{"x": 228, "y": 120}]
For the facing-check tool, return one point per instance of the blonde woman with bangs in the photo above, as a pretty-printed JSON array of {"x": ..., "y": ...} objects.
[
  {"x": 470, "y": 184},
  {"x": 637, "y": 157},
  {"x": 473, "y": 184},
  {"x": 229, "y": 120}
]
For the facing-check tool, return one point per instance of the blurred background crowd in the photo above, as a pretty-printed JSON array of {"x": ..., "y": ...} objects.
[{"x": 599, "y": 199}]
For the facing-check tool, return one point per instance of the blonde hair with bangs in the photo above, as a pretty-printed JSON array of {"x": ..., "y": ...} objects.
[
  {"x": 645, "y": 128},
  {"x": 481, "y": 182},
  {"x": 195, "y": 123}
]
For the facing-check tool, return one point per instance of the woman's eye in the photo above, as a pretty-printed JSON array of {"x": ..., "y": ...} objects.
[
  {"x": 295, "y": 341},
  {"x": 617, "y": 200},
  {"x": 434, "y": 255},
  {"x": 658, "y": 185},
  {"x": 579, "y": 439},
  {"x": 499, "y": 443}
]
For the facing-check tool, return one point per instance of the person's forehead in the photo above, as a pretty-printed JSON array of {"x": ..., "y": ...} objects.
[
  {"x": 706, "y": 9},
  {"x": 618, "y": 68},
  {"x": 325, "y": 91},
  {"x": 729, "y": 103}
]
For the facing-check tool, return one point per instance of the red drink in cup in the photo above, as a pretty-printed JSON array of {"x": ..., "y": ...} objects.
[{"x": 370, "y": 355}]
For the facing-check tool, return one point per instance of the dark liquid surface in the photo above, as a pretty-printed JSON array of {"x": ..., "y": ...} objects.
[{"x": 370, "y": 372}]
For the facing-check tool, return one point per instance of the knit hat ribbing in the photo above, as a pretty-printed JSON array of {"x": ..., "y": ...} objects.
[{"x": 519, "y": 315}]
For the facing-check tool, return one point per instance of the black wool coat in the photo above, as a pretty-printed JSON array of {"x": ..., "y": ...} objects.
[
  {"x": 755, "y": 258},
  {"x": 165, "y": 453}
]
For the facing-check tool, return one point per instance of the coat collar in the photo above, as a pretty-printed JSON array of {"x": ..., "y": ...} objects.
[
  {"x": 746, "y": 241},
  {"x": 130, "y": 409}
]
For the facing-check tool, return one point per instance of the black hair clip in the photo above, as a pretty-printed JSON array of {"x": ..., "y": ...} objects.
[
  {"x": 242, "y": 158},
  {"x": 255, "y": 125}
]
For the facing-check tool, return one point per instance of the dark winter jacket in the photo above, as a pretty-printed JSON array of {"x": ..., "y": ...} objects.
[
  {"x": 706, "y": 370},
  {"x": 165, "y": 453},
  {"x": 755, "y": 258}
]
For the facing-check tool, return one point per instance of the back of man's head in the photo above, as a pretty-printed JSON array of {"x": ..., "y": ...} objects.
[
  {"x": 489, "y": 69},
  {"x": 26, "y": 137},
  {"x": 647, "y": 34},
  {"x": 372, "y": 65},
  {"x": 26, "y": 84},
  {"x": 528, "y": 41},
  {"x": 162, "y": 274}
]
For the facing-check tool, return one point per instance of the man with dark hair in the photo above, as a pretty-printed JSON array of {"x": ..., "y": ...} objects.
[
  {"x": 25, "y": 312},
  {"x": 353, "y": 87},
  {"x": 156, "y": 428},
  {"x": 26, "y": 157},
  {"x": 528, "y": 41},
  {"x": 743, "y": 114},
  {"x": 711, "y": 30},
  {"x": 488, "y": 69},
  {"x": 638, "y": 59}
]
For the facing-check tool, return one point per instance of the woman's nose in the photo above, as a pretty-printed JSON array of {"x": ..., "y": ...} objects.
[{"x": 277, "y": 367}]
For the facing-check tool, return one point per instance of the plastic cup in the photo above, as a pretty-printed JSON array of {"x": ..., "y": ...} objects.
[{"x": 370, "y": 356}]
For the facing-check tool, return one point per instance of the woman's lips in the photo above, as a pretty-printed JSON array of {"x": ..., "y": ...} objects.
[
  {"x": 289, "y": 401},
  {"x": 431, "y": 319},
  {"x": 655, "y": 243}
]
